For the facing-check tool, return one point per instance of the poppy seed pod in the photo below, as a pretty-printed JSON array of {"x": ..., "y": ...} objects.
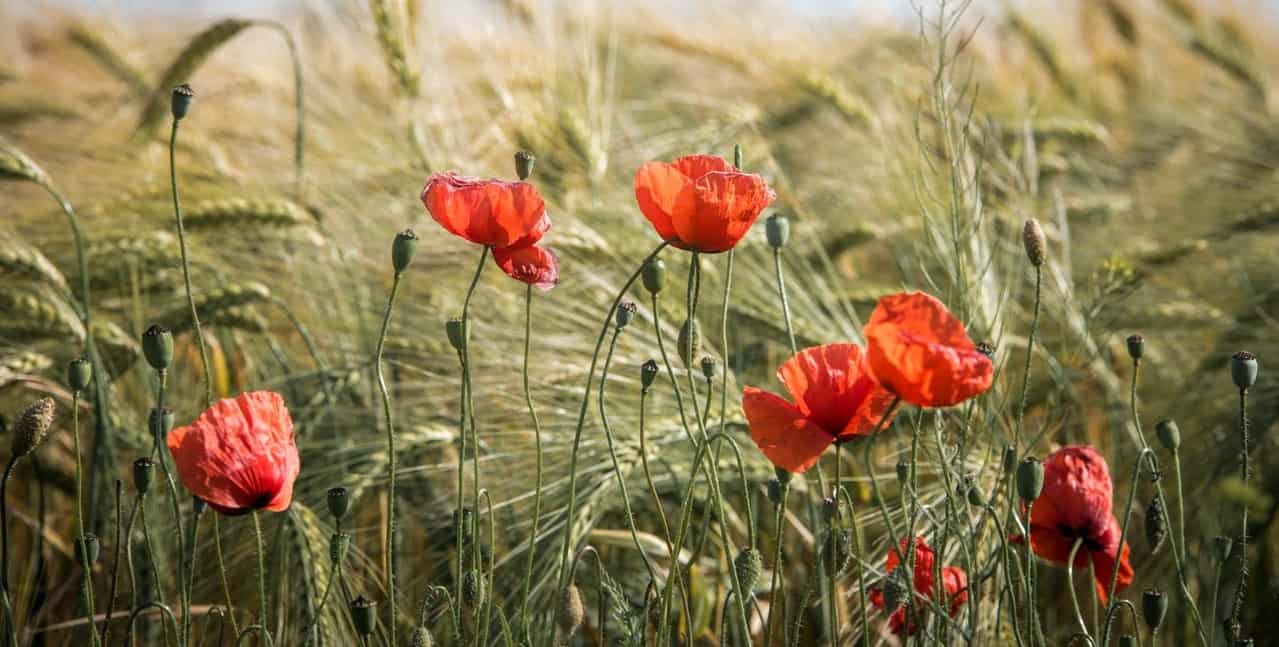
[
  {"x": 709, "y": 366},
  {"x": 1221, "y": 547},
  {"x": 180, "y": 101},
  {"x": 654, "y": 275},
  {"x": 88, "y": 546},
  {"x": 690, "y": 341},
  {"x": 160, "y": 422},
  {"x": 402, "y": 250},
  {"x": 143, "y": 469},
  {"x": 1127, "y": 640},
  {"x": 79, "y": 374},
  {"x": 157, "y": 347},
  {"x": 421, "y": 638},
  {"x": 459, "y": 333},
  {"x": 1243, "y": 369},
  {"x": 524, "y": 161},
  {"x": 339, "y": 543},
  {"x": 1154, "y": 606},
  {"x": 473, "y": 589},
  {"x": 1156, "y": 524},
  {"x": 32, "y": 426},
  {"x": 648, "y": 374},
  {"x": 364, "y": 615},
  {"x": 625, "y": 314},
  {"x": 572, "y": 612},
  {"x": 339, "y": 499},
  {"x": 777, "y": 230},
  {"x": 1136, "y": 346},
  {"x": 1030, "y": 479},
  {"x": 749, "y": 563},
  {"x": 775, "y": 491},
  {"x": 1168, "y": 434},
  {"x": 1033, "y": 239}
]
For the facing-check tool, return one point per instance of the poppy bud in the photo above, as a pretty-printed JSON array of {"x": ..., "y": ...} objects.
[
  {"x": 339, "y": 543},
  {"x": 1010, "y": 459},
  {"x": 160, "y": 423},
  {"x": 572, "y": 612},
  {"x": 777, "y": 230},
  {"x": 473, "y": 589},
  {"x": 89, "y": 546},
  {"x": 986, "y": 348},
  {"x": 648, "y": 374},
  {"x": 180, "y": 101},
  {"x": 1127, "y": 640},
  {"x": 1136, "y": 346},
  {"x": 654, "y": 275},
  {"x": 1168, "y": 434},
  {"x": 339, "y": 500},
  {"x": 1243, "y": 369},
  {"x": 157, "y": 346},
  {"x": 79, "y": 374},
  {"x": 775, "y": 491},
  {"x": 748, "y": 563},
  {"x": 421, "y": 638},
  {"x": 709, "y": 366},
  {"x": 143, "y": 468},
  {"x": 364, "y": 615},
  {"x": 690, "y": 341},
  {"x": 903, "y": 471},
  {"x": 1033, "y": 239},
  {"x": 459, "y": 333},
  {"x": 403, "y": 249},
  {"x": 1154, "y": 606},
  {"x": 524, "y": 161},
  {"x": 1221, "y": 547},
  {"x": 1030, "y": 479},
  {"x": 32, "y": 426},
  {"x": 894, "y": 591},
  {"x": 625, "y": 313},
  {"x": 1156, "y": 524}
]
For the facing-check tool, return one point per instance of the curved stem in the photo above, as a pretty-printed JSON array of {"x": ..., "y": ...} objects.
[
  {"x": 133, "y": 617},
  {"x": 467, "y": 411},
  {"x": 250, "y": 630},
  {"x": 4, "y": 548},
  {"x": 648, "y": 476},
  {"x": 1070, "y": 584},
  {"x": 781, "y": 292},
  {"x": 537, "y": 440},
  {"x": 390, "y": 448},
  {"x": 226, "y": 582},
  {"x": 186, "y": 266},
  {"x": 779, "y": 530},
  {"x": 861, "y": 572},
  {"x": 298, "y": 98}
]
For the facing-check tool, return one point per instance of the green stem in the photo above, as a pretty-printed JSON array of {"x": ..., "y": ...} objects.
[
  {"x": 1241, "y": 589},
  {"x": 260, "y": 548},
  {"x": 105, "y": 638},
  {"x": 648, "y": 476},
  {"x": 390, "y": 448},
  {"x": 1070, "y": 584},
  {"x": 186, "y": 266},
  {"x": 861, "y": 571},
  {"x": 537, "y": 440},
  {"x": 831, "y": 545},
  {"x": 86, "y": 568},
  {"x": 781, "y": 292},
  {"x": 226, "y": 582},
  {"x": 779, "y": 530},
  {"x": 4, "y": 549},
  {"x": 155, "y": 567},
  {"x": 467, "y": 411}
]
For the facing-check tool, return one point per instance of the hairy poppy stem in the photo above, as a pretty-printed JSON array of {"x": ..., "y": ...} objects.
[
  {"x": 86, "y": 568},
  {"x": 390, "y": 448},
  {"x": 115, "y": 564},
  {"x": 830, "y": 549},
  {"x": 260, "y": 549},
  {"x": 226, "y": 582},
  {"x": 184, "y": 592},
  {"x": 186, "y": 266},
  {"x": 1070, "y": 584},
  {"x": 648, "y": 474},
  {"x": 155, "y": 571},
  {"x": 537, "y": 440},
  {"x": 779, "y": 530},
  {"x": 4, "y": 550},
  {"x": 1241, "y": 588}
]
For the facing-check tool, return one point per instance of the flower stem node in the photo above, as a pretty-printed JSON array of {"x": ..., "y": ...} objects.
[
  {"x": 1154, "y": 606},
  {"x": 654, "y": 276},
  {"x": 648, "y": 374},
  {"x": 403, "y": 248},
  {"x": 160, "y": 423},
  {"x": 32, "y": 426},
  {"x": 690, "y": 341},
  {"x": 87, "y": 545},
  {"x": 459, "y": 333},
  {"x": 1169, "y": 434},
  {"x": 79, "y": 374},
  {"x": 1136, "y": 346},
  {"x": 157, "y": 347},
  {"x": 339, "y": 499},
  {"x": 364, "y": 615},
  {"x": 524, "y": 161},
  {"x": 1030, "y": 479},
  {"x": 1243, "y": 369},
  {"x": 572, "y": 612},
  {"x": 1033, "y": 239},
  {"x": 180, "y": 101},
  {"x": 143, "y": 470},
  {"x": 625, "y": 314},
  {"x": 777, "y": 230}
]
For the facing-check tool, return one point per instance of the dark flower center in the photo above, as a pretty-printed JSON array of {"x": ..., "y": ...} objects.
[{"x": 1090, "y": 540}]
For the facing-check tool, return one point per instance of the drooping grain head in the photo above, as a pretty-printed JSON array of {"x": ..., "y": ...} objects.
[{"x": 32, "y": 426}]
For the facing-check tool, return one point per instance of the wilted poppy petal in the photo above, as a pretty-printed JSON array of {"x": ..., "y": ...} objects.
[
  {"x": 955, "y": 583},
  {"x": 538, "y": 266},
  {"x": 785, "y": 436},
  {"x": 920, "y": 352},
  {"x": 1104, "y": 561}
]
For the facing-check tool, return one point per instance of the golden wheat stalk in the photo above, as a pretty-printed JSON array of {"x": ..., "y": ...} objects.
[
  {"x": 22, "y": 363},
  {"x": 245, "y": 215},
  {"x": 390, "y": 38},
  {"x": 97, "y": 47},
  {"x": 1046, "y": 51},
  {"x": 240, "y": 294},
  {"x": 20, "y": 261},
  {"x": 834, "y": 93},
  {"x": 35, "y": 313},
  {"x": 15, "y": 165},
  {"x": 196, "y": 52}
]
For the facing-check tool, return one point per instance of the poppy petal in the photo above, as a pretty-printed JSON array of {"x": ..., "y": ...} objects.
[
  {"x": 694, "y": 167},
  {"x": 486, "y": 212},
  {"x": 832, "y": 386},
  {"x": 537, "y": 266},
  {"x": 727, "y": 205},
  {"x": 782, "y": 432},
  {"x": 1108, "y": 558},
  {"x": 919, "y": 351},
  {"x": 663, "y": 193}
]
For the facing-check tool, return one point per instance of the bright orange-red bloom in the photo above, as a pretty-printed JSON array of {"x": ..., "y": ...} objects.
[
  {"x": 239, "y": 455},
  {"x": 538, "y": 266},
  {"x": 1076, "y": 504},
  {"x": 954, "y": 583},
  {"x": 487, "y": 212},
  {"x": 836, "y": 400},
  {"x": 919, "y": 351},
  {"x": 700, "y": 203}
]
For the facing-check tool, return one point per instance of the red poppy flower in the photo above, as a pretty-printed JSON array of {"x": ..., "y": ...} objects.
[
  {"x": 1076, "y": 504},
  {"x": 836, "y": 399},
  {"x": 700, "y": 203},
  {"x": 919, "y": 351},
  {"x": 538, "y": 266},
  {"x": 954, "y": 583},
  {"x": 487, "y": 212},
  {"x": 239, "y": 455}
]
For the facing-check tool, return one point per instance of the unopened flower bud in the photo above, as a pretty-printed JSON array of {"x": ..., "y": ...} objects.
[
  {"x": 572, "y": 612},
  {"x": 339, "y": 543},
  {"x": 32, "y": 426},
  {"x": 339, "y": 499},
  {"x": 364, "y": 615},
  {"x": 1033, "y": 239},
  {"x": 1221, "y": 547},
  {"x": 160, "y": 423},
  {"x": 1243, "y": 369},
  {"x": 403, "y": 248},
  {"x": 690, "y": 341},
  {"x": 1030, "y": 479},
  {"x": 1154, "y": 606},
  {"x": 143, "y": 469},
  {"x": 421, "y": 638},
  {"x": 625, "y": 314},
  {"x": 748, "y": 563},
  {"x": 648, "y": 374},
  {"x": 1156, "y": 524},
  {"x": 1136, "y": 346},
  {"x": 777, "y": 230},
  {"x": 459, "y": 333},
  {"x": 473, "y": 589},
  {"x": 654, "y": 275},
  {"x": 180, "y": 101},
  {"x": 709, "y": 366},
  {"x": 1168, "y": 434},
  {"x": 524, "y": 161},
  {"x": 157, "y": 347},
  {"x": 88, "y": 545},
  {"x": 79, "y": 374}
]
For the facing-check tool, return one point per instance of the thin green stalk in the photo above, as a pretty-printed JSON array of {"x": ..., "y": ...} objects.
[
  {"x": 862, "y": 600},
  {"x": 105, "y": 638},
  {"x": 723, "y": 336},
  {"x": 831, "y": 572},
  {"x": 779, "y": 528},
  {"x": 250, "y": 630},
  {"x": 184, "y": 594},
  {"x": 1032, "y": 612},
  {"x": 464, "y": 358},
  {"x": 390, "y": 448},
  {"x": 648, "y": 475},
  {"x": 4, "y": 551},
  {"x": 1070, "y": 584},
  {"x": 133, "y": 618},
  {"x": 226, "y": 582},
  {"x": 260, "y": 548},
  {"x": 155, "y": 567},
  {"x": 1242, "y": 588},
  {"x": 781, "y": 293},
  {"x": 86, "y": 569},
  {"x": 186, "y": 266},
  {"x": 537, "y": 440}
]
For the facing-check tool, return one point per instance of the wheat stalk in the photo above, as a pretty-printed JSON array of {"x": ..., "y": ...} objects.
[
  {"x": 93, "y": 44},
  {"x": 834, "y": 93},
  {"x": 23, "y": 262},
  {"x": 31, "y": 312},
  {"x": 1046, "y": 51},
  {"x": 245, "y": 214},
  {"x": 240, "y": 294},
  {"x": 22, "y": 363},
  {"x": 196, "y": 52},
  {"x": 390, "y": 39},
  {"x": 15, "y": 165}
]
